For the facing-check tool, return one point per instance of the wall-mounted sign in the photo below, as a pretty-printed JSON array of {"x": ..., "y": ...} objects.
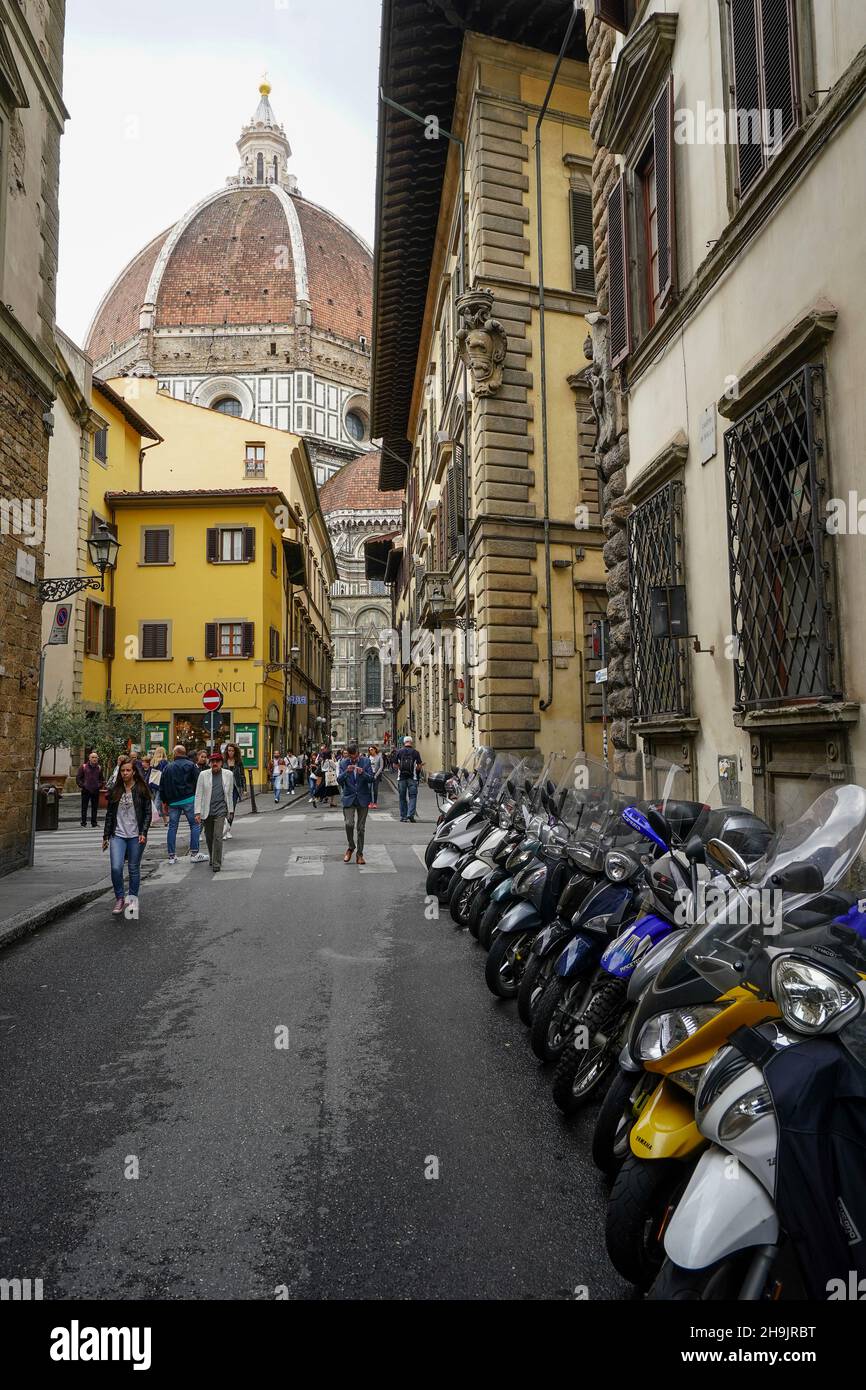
[
  {"x": 25, "y": 566},
  {"x": 707, "y": 436},
  {"x": 601, "y": 676},
  {"x": 247, "y": 740},
  {"x": 297, "y": 699}
]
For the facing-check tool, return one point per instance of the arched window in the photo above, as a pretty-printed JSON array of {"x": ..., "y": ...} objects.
[
  {"x": 372, "y": 681},
  {"x": 260, "y": 168},
  {"x": 227, "y": 405}
]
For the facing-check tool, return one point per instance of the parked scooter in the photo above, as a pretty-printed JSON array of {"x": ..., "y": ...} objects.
[
  {"x": 509, "y": 813},
  {"x": 456, "y": 795},
  {"x": 455, "y": 838},
  {"x": 782, "y": 1099}
]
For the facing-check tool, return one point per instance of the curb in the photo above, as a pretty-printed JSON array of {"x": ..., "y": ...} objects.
[{"x": 23, "y": 923}]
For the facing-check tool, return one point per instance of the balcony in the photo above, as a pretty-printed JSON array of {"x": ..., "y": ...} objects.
[{"x": 436, "y": 607}]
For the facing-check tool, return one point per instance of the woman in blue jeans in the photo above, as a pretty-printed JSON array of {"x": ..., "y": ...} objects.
[{"x": 124, "y": 835}]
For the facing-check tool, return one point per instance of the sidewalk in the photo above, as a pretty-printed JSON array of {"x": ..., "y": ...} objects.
[{"x": 64, "y": 878}]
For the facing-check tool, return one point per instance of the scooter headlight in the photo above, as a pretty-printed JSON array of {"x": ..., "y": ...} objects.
[
  {"x": 811, "y": 998},
  {"x": 618, "y": 866},
  {"x": 662, "y": 1033},
  {"x": 743, "y": 1113}
]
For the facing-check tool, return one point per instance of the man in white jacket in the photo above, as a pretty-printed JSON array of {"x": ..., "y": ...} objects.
[{"x": 213, "y": 800}]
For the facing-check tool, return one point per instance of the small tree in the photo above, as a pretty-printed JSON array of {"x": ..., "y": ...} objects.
[
  {"x": 110, "y": 730},
  {"x": 63, "y": 726}
]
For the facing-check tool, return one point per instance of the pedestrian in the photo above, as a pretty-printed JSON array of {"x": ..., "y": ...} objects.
[
  {"x": 315, "y": 776},
  {"x": 90, "y": 781},
  {"x": 408, "y": 764},
  {"x": 202, "y": 760},
  {"x": 331, "y": 787},
  {"x": 213, "y": 797},
  {"x": 278, "y": 772},
  {"x": 152, "y": 775},
  {"x": 124, "y": 834},
  {"x": 355, "y": 777},
  {"x": 112, "y": 778},
  {"x": 377, "y": 763},
  {"x": 235, "y": 765},
  {"x": 292, "y": 761},
  {"x": 177, "y": 791}
]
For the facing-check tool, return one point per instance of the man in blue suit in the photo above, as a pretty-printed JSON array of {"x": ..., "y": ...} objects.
[{"x": 355, "y": 778}]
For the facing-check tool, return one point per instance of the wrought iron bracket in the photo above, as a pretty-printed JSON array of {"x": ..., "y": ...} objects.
[{"x": 53, "y": 590}]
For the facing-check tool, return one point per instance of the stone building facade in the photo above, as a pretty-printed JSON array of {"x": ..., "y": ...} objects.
[
  {"x": 357, "y": 512},
  {"x": 502, "y": 531},
  {"x": 731, "y": 311},
  {"x": 257, "y": 302},
  {"x": 31, "y": 123}
]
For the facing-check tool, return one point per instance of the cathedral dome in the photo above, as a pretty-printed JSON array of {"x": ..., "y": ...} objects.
[
  {"x": 255, "y": 254},
  {"x": 356, "y": 488}
]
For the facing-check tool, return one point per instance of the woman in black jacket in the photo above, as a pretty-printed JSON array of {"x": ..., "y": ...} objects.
[
  {"x": 127, "y": 821},
  {"x": 234, "y": 764}
]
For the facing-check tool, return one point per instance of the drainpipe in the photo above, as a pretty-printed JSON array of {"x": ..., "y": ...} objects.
[
  {"x": 141, "y": 453},
  {"x": 575, "y": 10}
]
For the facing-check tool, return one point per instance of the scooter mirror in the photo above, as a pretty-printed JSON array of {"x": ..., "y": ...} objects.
[
  {"x": 511, "y": 787},
  {"x": 660, "y": 825},
  {"x": 562, "y": 795},
  {"x": 695, "y": 850},
  {"x": 799, "y": 878},
  {"x": 549, "y": 787},
  {"x": 733, "y": 864}
]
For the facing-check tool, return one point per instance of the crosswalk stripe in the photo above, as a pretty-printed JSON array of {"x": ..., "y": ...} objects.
[
  {"x": 306, "y": 862},
  {"x": 420, "y": 850},
  {"x": 239, "y": 863},
  {"x": 378, "y": 860}
]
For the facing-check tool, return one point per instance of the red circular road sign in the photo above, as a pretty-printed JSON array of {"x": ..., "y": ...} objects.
[{"x": 212, "y": 699}]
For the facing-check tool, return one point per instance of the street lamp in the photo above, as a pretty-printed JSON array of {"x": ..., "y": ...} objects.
[{"x": 102, "y": 548}]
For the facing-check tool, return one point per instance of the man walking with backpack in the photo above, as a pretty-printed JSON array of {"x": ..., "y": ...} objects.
[
  {"x": 177, "y": 790},
  {"x": 408, "y": 764}
]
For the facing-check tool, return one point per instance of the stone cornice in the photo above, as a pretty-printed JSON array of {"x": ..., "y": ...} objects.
[
  {"x": 640, "y": 67},
  {"x": 27, "y": 351},
  {"x": 831, "y": 714},
  {"x": 793, "y": 347},
  {"x": 666, "y": 464}
]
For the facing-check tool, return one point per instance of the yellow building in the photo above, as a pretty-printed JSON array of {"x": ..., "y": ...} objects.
[
  {"x": 117, "y": 449},
  {"x": 486, "y": 418},
  {"x": 224, "y": 569}
]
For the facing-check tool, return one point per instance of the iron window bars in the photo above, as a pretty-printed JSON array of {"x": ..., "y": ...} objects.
[
  {"x": 781, "y": 576},
  {"x": 655, "y": 559}
]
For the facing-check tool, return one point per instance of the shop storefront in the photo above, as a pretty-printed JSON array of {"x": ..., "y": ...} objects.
[{"x": 192, "y": 728}]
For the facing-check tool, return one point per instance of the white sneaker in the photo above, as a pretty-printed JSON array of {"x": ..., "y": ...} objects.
[
  {"x": 199, "y": 858},
  {"x": 130, "y": 910},
  {"x": 172, "y": 859}
]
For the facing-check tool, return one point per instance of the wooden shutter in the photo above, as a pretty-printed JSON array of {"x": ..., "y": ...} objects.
[
  {"x": 582, "y": 277},
  {"x": 156, "y": 545},
  {"x": 91, "y": 627},
  {"x": 614, "y": 13},
  {"x": 249, "y": 543},
  {"x": 248, "y": 636},
  {"x": 210, "y": 640},
  {"x": 617, "y": 261},
  {"x": 746, "y": 89},
  {"x": 213, "y": 544},
  {"x": 663, "y": 123},
  {"x": 109, "y": 625},
  {"x": 459, "y": 467},
  {"x": 154, "y": 641},
  {"x": 451, "y": 510},
  {"x": 779, "y": 66}
]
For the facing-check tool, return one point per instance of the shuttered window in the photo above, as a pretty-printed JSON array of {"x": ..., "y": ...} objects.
[
  {"x": 663, "y": 118},
  {"x": 154, "y": 642},
  {"x": 230, "y": 544},
  {"x": 617, "y": 257},
  {"x": 764, "y": 83},
  {"x": 100, "y": 445},
  {"x": 617, "y": 13},
  {"x": 583, "y": 257},
  {"x": 454, "y": 501},
  {"x": 157, "y": 545},
  {"x": 273, "y": 644}
]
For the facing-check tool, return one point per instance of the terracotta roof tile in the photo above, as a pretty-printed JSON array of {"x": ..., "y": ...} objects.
[{"x": 356, "y": 488}]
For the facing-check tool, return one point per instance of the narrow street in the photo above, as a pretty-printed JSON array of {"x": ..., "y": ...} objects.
[{"x": 262, "y": 1166}]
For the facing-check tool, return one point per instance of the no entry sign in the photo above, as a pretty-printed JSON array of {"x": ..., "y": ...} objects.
[{"x": 212, "y": 700}]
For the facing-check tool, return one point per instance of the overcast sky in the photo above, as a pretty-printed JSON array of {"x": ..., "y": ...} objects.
[{"x": 157, "y": 93}]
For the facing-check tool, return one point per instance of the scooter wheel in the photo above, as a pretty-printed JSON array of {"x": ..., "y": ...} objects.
[
  {"x": 438, "y": 883},
  {"x": 531, "y": 988},
  {"x": 625, "y": 1098},
  {"x": 639, "y": 1200},
  {"x": 721, "y": 1281},
  {"x": 477, "y": 911},
  {"x": 488, "y": 921},
  {"x": 582, "y": 1070},
  {"x": 553, "y": 1016},
  {"x": 460, "y": 899},
  {"x": 505, "y": 963}
]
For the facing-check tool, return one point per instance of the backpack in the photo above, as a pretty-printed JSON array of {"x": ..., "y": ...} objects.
[{"x": 406, "y": 762}]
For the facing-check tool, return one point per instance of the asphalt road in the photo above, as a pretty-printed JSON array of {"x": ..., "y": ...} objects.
[{"x": 156, "y": 1048}]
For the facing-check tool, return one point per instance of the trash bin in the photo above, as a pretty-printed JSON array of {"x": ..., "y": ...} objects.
[{"x": 47, "y": 807}]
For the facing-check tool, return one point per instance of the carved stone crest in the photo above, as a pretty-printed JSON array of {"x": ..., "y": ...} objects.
[{"x": 482, "y": 341}]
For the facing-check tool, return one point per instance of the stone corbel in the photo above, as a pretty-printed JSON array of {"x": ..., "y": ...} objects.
[{"x": 482, "y": 341}]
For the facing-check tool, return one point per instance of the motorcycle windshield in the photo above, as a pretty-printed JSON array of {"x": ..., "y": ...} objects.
[
  {"x": 473, "y": 771},
  {"x": 514, "y": 786},
  {"x": 738, "y": 921}
]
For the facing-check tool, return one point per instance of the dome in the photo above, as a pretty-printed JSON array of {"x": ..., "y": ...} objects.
[
  {"x": 356, "y": 488},
  {"x": 245, "y": 256}
]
